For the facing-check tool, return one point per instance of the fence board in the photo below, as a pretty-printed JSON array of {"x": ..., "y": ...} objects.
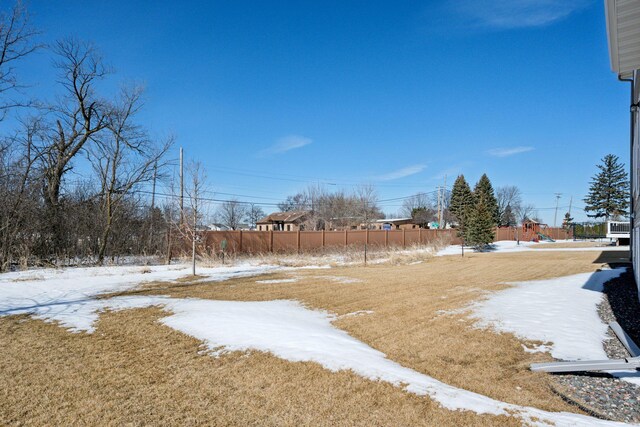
[
  {"x": 394, "y": 238},
  {"x": 311, "y": 240},
  {"x": 285, "y": 241},
  {"x": 357, "y": 237},
  {"x": 292, "y": 241}
]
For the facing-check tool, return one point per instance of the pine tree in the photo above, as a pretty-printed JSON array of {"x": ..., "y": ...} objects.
[
  {"x": 462, "y": 203},
  {"x": 609, "y": 190},
  {"x": 480, "y": 231},
  {"x": 567, "y": 221},
  {"x": 508, "y": 218},
  {"x": 484, "y": 194}
]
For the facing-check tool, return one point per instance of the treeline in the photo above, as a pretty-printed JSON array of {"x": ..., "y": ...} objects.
[
  {"x": 336, "y": 209},
  {"x": 73, "y": 163},
  {"x": 362, "y": 206}
]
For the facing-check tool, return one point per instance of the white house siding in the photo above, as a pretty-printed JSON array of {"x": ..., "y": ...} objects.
[
  {"x": 635, "y": 164},
  {"x": 623, "y": 33}
]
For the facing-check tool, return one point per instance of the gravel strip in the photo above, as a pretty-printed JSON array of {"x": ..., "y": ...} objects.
[{"x": 601, "y": 394}]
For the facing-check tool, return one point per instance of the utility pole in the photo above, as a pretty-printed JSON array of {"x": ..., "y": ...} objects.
[
  {"x": 181, "y": 186},
  {"x": 438, "y": 206},
  {"x": 153, "y": 202},
  {"x": 193, "y": 234},
  {"x": 570, "y": 203},
  {"x": 444, "y": 197},
  {"x": 153, "y": 191},
  {"x": 555, "y": 217}
]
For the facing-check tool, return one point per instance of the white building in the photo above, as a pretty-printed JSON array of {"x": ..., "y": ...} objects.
[{"x": 623, "y": 30}]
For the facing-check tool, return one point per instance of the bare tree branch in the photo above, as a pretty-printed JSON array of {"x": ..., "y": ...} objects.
[{"x": 16, "y": 42}]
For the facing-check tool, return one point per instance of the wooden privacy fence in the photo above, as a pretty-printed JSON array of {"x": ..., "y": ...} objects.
[
  {"x": 511, "y": 233},
  {"x": 309, "y": 241}
]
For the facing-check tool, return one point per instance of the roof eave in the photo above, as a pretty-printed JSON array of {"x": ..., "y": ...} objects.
[{"x": 612, "y": 34}]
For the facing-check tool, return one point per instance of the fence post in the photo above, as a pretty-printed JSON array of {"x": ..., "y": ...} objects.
[
  {"x": 366, "y": 239},
  {"x": 298, "y": 241},
  {"x": 271, "y": 241},
  {"x": 346, "y": 239},
  {"x": 386, "y": 238},
  {"x": 419, "y": 236},
  {"x": 240, "y": 250},
  {"x": 323, "y": 238},
  {"x": 404, "y": 238}
]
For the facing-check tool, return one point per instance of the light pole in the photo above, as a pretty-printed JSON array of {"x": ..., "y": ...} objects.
[{"x": 555, "y": 217}]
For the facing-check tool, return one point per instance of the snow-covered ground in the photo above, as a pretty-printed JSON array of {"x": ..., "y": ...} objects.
[
  {"x": 560, "y": 311},
  {"x": 508, "y": 246},
  {"x": 284, "y": 328},
  {"x": 30, "y": 290}
]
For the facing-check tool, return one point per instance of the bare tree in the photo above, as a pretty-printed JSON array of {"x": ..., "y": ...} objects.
[
  {"x": 314, "y": 195},
  {"x": 508, "y": 195},
  {"x": 231, "y": 213},
  {"x": 195, "y": 191},
  {"x": 78, "y": 118},
  {"x": 418, "y": 200},
  {"x": 124, "y": 158},
  {"x": 526, "y": 211},
  {"x": 254, "y": 214},
  {"x": 297, "y": 202},
  {"x": 18, "y": 188},
  {"x": 16, "y": 42},
  {"x": 366, "y": 200}
]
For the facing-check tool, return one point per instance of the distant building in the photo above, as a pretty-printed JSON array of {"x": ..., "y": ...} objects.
[
  {"x": 396, "y": 224},
  {"x": 218, "y": 227},
  {"x": 347, "y": 223},
  {"x": 221, "y": 227},
  {"x": 283, "y": 221}
]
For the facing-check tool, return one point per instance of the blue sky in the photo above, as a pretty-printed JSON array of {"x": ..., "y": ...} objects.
[{"x": 272, "y": 96}]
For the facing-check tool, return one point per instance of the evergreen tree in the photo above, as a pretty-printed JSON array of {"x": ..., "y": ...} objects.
[
  {"x": 484, "y": 194},
  {"x": 462, "y": 203},
  {"x": 508, "y": 218},
  {"x": 567, "y": 221},
  {"x": 609, "y": 191},
  {"x": 480, "y": 230}
]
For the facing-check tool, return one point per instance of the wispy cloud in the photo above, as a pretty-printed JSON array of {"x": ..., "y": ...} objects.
[
  {"x": 510, "y": 14},
  {"x": 510, "y": 151},
  {"x": 287, "y": 143},
  {"x": 452, "y": 171},
  {"x": 401, "y": 173}
]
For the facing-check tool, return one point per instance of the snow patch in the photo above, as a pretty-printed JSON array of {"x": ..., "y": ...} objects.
[
  {"x": 276, "y": 281},
  {"x": 510, "y": 246},
  {"x": 537, "y": 348},
  {"x": 339, "y": 279},
  {"x": 562, "y": 311},
  {"x": 37, "y": 290},
  {"x": 356, "y": 313}
]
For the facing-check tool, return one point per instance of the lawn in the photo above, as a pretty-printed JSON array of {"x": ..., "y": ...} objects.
[{"x": 135, "y": 370}]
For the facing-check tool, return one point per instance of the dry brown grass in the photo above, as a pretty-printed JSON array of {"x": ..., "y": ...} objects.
[
  {"x": 133, "y": 370},
  {"x": 576, "y": 244}
]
